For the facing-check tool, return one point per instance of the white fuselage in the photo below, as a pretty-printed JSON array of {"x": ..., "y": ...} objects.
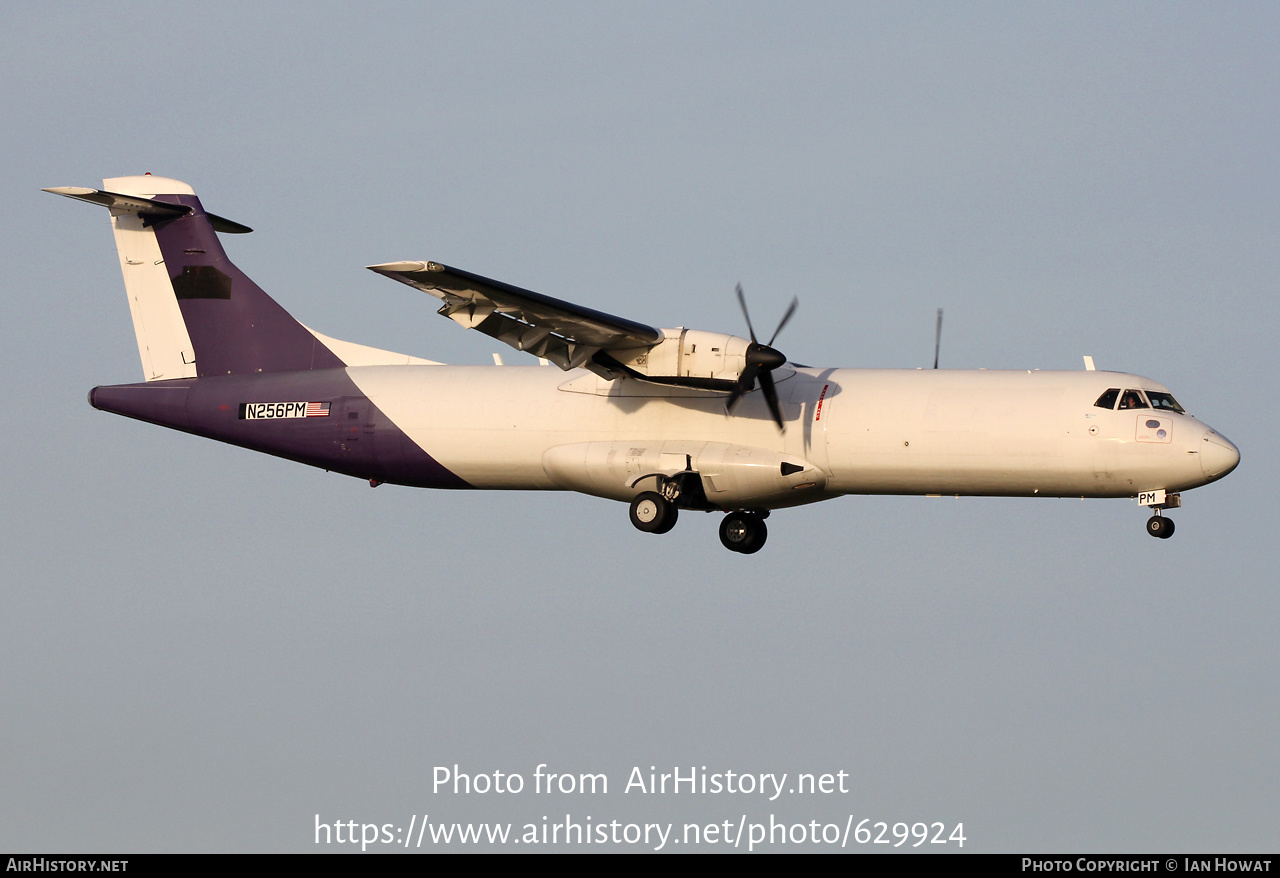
[{"x": 868, "y": 431}]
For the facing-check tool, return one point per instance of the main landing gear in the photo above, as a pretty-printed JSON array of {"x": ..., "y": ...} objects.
[
  {"x": 653, "y": 513},
  {"x": 742, "y": 531}
]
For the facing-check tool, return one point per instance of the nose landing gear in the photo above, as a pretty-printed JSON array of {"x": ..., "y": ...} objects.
[{"x": 1159, "y": 526}]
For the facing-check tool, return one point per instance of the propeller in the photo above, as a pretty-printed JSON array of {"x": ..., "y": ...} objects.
[{"x": 762, "y": 359}]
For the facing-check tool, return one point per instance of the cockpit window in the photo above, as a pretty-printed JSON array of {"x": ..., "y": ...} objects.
[
  {"x": 1132, "y": 399},
  {"x": 1108, "y": 399},
  {"x": 1164, "y": 401}
]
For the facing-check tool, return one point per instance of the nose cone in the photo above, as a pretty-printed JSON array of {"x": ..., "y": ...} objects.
[{"x": 1218, "y": 455}]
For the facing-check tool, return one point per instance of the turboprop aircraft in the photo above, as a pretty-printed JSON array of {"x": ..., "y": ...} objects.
[{"x": 663, "y": 419}]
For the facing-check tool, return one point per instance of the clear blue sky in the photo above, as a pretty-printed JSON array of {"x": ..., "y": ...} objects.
[{"x": 204, "y": 648}]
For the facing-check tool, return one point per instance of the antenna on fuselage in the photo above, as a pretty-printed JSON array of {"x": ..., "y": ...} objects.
[{"x": 937, "y": 341}]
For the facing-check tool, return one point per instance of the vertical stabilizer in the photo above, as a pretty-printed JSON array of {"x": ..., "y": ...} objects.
[{"x": 194, "y": 313}]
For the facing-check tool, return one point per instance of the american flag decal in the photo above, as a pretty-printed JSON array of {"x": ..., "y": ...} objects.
[{"x": 317, "y": 410}]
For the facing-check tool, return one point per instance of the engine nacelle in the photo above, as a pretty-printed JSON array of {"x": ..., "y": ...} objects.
[
  {"x": 689, "y": 356},
  {"x": 731, "y": 476}
]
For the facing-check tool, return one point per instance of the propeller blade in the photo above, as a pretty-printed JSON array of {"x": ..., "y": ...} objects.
[
  {"x": 785, "y": 317},
  {"x": 742, "y": 300},
  {"x": 771, "y": 397},
  {"x": 746, "y": 383},
  {"x": 937, "y": 343}
]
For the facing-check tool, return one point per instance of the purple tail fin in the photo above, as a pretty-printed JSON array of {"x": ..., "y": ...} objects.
[
  {"x": 234, "y": 326},
  {"x": 194, "y": 312}
]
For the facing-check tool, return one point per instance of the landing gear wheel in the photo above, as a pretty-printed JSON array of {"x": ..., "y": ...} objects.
[
  {"x": 672, "y": 512},
  {"x": 1159, "y": 526},
  {"x": 743, "y": 532},
  {"x": 652, "y": 514}
]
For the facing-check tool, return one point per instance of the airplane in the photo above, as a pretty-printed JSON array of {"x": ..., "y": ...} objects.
[{"x": 665, "y": 420}]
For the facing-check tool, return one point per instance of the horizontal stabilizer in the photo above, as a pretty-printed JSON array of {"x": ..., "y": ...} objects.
[{"x": 133, "y": 204}]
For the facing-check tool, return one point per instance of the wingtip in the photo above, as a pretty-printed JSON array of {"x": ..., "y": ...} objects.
[
  {"x": 394, "y": 267},
  {"x": 71, "y": 191}
]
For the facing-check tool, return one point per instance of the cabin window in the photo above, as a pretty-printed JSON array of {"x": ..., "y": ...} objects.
[
  {"x": 1108, "y": 399},
  {"x": 1164, "y": 402},
  {"x": 1132, "y": 399}
]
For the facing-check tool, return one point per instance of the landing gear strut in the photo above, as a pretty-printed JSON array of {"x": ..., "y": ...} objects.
[{"x": 743, "y": 532}]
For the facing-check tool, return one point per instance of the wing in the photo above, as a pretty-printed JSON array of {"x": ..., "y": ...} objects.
[{"x": 566, "y": 334}]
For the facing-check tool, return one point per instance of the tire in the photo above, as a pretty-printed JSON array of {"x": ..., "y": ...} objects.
[
  {"x": 743, "y": 532},
  {"x": 1159, "y": 526},
  {"x": 673, "y": 512},
  {"x": 652, "y": 514}
]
